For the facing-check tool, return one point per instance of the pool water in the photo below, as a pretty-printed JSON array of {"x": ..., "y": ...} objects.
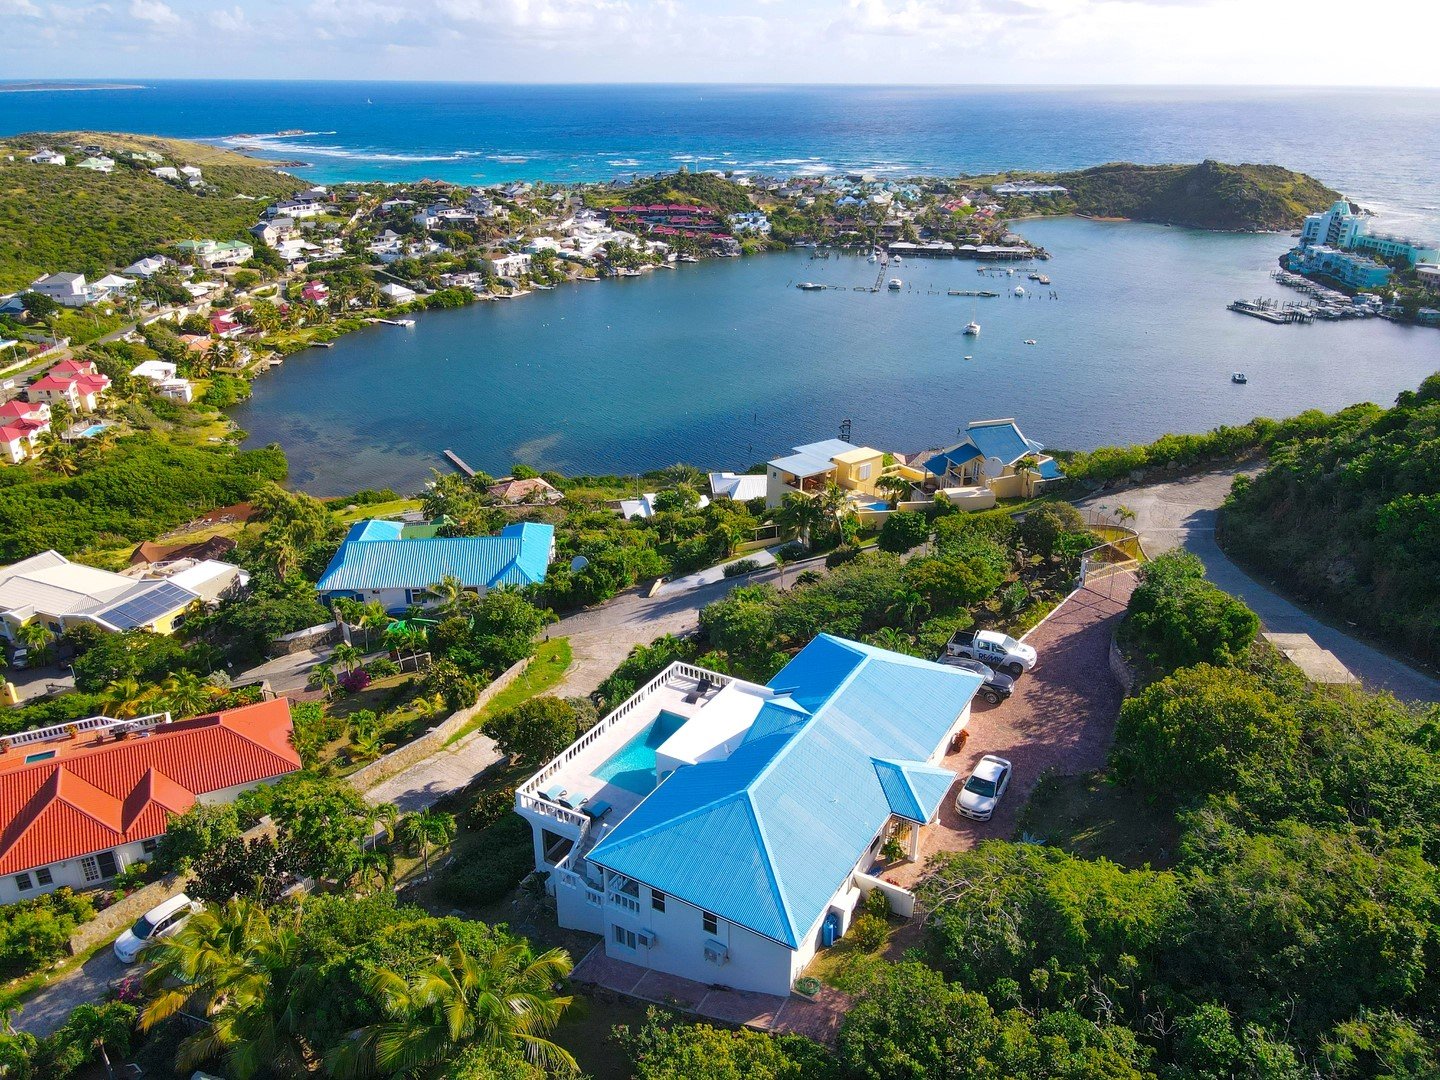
[
  {"x": 632, "y": 767},
  {"x": 93, "y": 430}
]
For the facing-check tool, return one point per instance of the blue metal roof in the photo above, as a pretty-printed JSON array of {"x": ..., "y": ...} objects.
[
  {"x": 1001, "y": 440},
  {"x": 1049, "y": 470},
  {"x": 944, "y": 461},
  {"x": 764, "y": 838},
  {"x": 371, "y": 559}
]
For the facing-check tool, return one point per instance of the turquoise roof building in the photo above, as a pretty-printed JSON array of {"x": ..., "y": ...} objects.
[
  {"x": 377, "y": 561},
  {"x": 765, "y": 838}
]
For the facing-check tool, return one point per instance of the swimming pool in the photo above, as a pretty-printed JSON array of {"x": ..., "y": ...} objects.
[
  {"x": 632, "y": 767},
  {"x": 91, "y": 431}
]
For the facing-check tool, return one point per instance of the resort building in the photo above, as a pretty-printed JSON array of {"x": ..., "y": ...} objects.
[
  {"x": 738, "y": 487},
  {"x": 508, "y": 264},
  {"x": 994, "y": 459},
  {"x": 81, "y": 801},
  {"x": 378, "y": 561},
  {"x": 21, "y": 425},
  {"x": 1349, "y": 268},
  {"x": 723, "y": 831},
  {"x": 811, "y": 468},
  {"x": 50, "y": 589},
  {"x": 1027, "y": 187},
  {"x": 1343, "y": 230},
  {"x": 296, "y": 208}
]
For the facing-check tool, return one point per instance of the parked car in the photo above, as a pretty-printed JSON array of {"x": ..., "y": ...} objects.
[
  {"x": 977, "y": 799},
  {"x": 20, "y": 658},
  {"x": 997, "y": 686},
  {"x": 160, "y": 921},
  {"x": 993, "y": 648}
]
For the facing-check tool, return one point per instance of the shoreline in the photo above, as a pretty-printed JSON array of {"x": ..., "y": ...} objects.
[{"x": 64, "y": 89}]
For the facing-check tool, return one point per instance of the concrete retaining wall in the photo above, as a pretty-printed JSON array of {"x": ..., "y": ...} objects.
[{"x": 377, "y": 772}]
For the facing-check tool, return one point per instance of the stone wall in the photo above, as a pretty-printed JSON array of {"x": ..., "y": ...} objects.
[
  {"x": 312, "y": 637},
  {"x": 1121, "y": 669},
  {"x": 377, "y": 772}
]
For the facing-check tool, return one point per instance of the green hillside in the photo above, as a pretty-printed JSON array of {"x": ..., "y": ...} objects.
[
  {"x": 1210, "y": 195},
  {"x": 687, "y": 189},
  {"x": 56, "y": 218}
]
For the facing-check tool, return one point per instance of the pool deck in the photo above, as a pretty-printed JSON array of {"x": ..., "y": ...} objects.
[{"x": 577, "y": 776}]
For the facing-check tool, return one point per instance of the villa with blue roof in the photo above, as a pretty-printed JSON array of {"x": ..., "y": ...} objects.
[
  {"x": 990, "y": 456},
  {"x": 386, "y": 561},
  {"x": 723, "y": 831}
]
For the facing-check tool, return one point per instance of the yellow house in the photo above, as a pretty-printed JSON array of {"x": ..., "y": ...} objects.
[
  {"x": 994, "y": 455},
  {"x": 51, "y": 590},
  {"x": 811, "y": 468}
]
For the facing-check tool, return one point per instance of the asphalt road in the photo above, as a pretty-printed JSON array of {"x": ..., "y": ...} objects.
[{"x": 1182, "y": 513}]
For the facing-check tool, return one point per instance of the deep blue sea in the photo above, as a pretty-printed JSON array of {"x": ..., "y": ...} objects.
[
  {"x": 1379, "y": 147},
  {"x": 725, "y": 362}
]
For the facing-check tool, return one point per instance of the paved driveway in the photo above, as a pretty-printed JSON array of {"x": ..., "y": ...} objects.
[
  {"x": 1182, "y": 513},
  {"x": 1061, "y": 717},
  {"x": 46, "y": 1010}
]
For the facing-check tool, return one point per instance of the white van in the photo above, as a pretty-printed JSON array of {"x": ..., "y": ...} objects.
[{"x": 160, "y": 921}]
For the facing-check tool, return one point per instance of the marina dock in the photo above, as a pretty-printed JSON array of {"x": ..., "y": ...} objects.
[
  {"x": 458, "y": 462},
  {"x": 1272, "y": 312}
]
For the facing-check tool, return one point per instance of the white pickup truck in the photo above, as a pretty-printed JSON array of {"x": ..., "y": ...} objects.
[{"x": 998, "y": 650}]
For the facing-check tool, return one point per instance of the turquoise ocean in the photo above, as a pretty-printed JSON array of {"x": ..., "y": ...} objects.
[{"x": 724, "y": 362}]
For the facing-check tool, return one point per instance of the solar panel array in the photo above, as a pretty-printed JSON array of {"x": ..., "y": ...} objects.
[{"x": 145, "y": 608}]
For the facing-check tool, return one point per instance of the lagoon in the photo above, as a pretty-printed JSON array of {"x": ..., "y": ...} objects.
[{"x": 724, "y": 363}]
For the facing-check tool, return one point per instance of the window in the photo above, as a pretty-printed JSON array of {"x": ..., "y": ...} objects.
[
  {"x": 710, "y": 922},
  {"x": 23, "y": 883},
  {"x": 624, "y": 937},
  {"x": 108, "y": 866},
  {"x": 149, "y": 846},
  {"x": 44, "y": 877},
  {"x": 863, "y": 473},
  {"x": 657, "y": 899}
]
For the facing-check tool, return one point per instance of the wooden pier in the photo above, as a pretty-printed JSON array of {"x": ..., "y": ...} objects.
[{"x": 456, "y": 460}]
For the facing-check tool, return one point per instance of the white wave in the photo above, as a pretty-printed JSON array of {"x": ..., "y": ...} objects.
[
  {"x": 631, "y": 163},
  {"x": 508, "y": 159},
  {"x": 344, "y": 153}
]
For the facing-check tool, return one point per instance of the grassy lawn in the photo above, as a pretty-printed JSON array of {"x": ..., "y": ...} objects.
[
  {"x": 552, "y": 660},
  {"x": 1090, "y": 817},
  {"x": 348, "y": 515}
]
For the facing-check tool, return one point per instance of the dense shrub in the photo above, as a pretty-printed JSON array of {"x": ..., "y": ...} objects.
[
  {"x": 35, "y": 932},
  {"x": 664, "y": 1048},
  {"x": 193, "y": 834},
  {"x": 503, "y": 855},
  {"x": 1177, "y": 619},
  {"x": 536, "y": 730},
  {"x": 642, "y": 665},
  {"x": 868, "y": 932},
  {"x": 741, "y": 567},
  {"x": 904, "y": 530}
]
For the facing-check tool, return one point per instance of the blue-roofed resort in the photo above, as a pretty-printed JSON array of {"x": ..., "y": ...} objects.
[
  {"x": 722, "y": 831},
  {"x": 384, "y": 561}
]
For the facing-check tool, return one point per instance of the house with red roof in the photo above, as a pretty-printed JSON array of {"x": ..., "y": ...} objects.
[
  {"x": 80, "y": 802},
  {"x": 78, "y": 383},
  {"x": 21, "y": 425},
  {"x": 315, "y": 292}
]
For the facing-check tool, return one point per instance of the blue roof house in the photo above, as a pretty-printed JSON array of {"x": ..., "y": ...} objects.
[
  {"x": 378, "y": 562},
  {"x": 988, "y": 456},
  {"x": 721, "y": 831}
]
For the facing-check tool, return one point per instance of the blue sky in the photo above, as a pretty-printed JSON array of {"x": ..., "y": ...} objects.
[{"x": 853, "y": 41}]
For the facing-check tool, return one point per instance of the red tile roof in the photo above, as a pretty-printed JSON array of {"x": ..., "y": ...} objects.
[{"x": 91, "y": 797}]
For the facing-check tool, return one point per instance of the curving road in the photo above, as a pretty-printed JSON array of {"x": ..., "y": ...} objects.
[{"x": 1182, "y": 513}]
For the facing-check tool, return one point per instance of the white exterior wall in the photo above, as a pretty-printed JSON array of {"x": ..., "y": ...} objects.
[
  {"x": 755, "y": 962},
  {"x": 70, "y": 872}
]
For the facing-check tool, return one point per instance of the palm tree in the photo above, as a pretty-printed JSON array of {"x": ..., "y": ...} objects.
[
  {"x": 347, "y": 656},
  {"x": 425, "y": 828},
  {"x": 887, "y": 637},
  {"x": 99, "y": 1027},
  {"x": 243, "y": 964},
  {"x": 187, "y": 694},
  {"x": 834, "y": 506},
  {"x": 372, "y": 869},
  {"x": 123, "y": 698},
  {"x": 59, "y": 454},
  {"x": 895, "y": 487},
  {"x": 450, "y": 592},
  {"x": 36, "y": 638},
  {"x": 910, "y": 606},
  {"x": 323, "y": 676},
  {"x": 505, "y": 999},
  {"x": 371, "y": 616},
  {"x": 800, "y": 513}
]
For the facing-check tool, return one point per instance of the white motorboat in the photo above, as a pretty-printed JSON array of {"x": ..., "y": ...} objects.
[
  {"x": 895, "y": 283},
  {"x": 972, "y": 328},
  {"x": 810, "y": 286},
  {"x": 1239, "y": 377},
  {"x": 896, "y": 259},
  {"x": 1019, "y": 290},
  {"x": 1031, "y": 341}
]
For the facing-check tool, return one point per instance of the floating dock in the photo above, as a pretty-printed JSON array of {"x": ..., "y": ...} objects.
[
  {"x": 1271, "y": 312},
  {"x": 458, "y": 462}
]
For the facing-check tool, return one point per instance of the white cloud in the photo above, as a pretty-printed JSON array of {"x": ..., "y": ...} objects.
[{"x": 156, "y": 12}]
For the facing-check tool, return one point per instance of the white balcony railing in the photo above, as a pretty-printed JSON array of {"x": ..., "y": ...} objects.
[
  {"x": 526, "y": 795},
  {"x": 103, "y": 724},
  {"x": 625, "y": 902}
]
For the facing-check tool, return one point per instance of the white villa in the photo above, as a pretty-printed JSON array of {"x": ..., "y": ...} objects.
[{"x": 722, "y": 831}]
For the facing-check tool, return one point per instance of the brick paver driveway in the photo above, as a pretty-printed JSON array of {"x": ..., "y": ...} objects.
[{"x": 1061, "y": 717}]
